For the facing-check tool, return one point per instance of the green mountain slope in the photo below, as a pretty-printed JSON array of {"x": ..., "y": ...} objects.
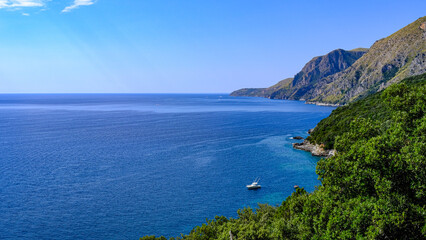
[
  {"x": 373, "y": 188},
  {"x": 264, "y": 92}
]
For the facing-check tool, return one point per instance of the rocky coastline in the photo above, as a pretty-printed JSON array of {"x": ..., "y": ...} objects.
[
  {"x": 324, "y": 104},
  {"x": 315, "y": 149}
]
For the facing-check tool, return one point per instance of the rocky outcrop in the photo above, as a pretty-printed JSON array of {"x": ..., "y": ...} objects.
[
  {"x": 318, "y": 68},
  {"x": 315, "y": 149},
  {"x": 298, "y": 137},
  {"x": 325, "y": 104},
  {"x": 297, "y": 87}
]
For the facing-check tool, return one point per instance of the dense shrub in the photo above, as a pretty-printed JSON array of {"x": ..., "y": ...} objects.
[{"x": 374, "y": 188}]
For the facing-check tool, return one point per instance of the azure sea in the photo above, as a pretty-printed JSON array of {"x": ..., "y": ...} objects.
[{"x": 121, "y": 166}]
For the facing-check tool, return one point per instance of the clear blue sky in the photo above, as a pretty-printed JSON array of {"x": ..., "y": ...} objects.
[{"x": 182, "y": 46}]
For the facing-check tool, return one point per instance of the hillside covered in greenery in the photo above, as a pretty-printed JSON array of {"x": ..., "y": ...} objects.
[
  {"x": 374, "y": 188},
  {"x": 372, "y": 107}
]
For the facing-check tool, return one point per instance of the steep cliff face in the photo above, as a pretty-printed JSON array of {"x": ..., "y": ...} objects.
[
  {"x": 315, "y": 70},
  {"x": 344, "y": 76},
  {"x": 388, "y": 61},
  {"x": 312, "y": 72}
]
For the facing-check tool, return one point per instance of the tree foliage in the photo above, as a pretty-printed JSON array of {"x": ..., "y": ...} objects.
[{"x": 374, "y": 188}]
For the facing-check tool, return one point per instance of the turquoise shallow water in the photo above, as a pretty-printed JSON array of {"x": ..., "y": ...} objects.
[{"x": 120, "y": 166}]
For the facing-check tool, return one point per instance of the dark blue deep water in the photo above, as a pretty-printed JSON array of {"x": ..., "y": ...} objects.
[{"x": 120, "y": 166}]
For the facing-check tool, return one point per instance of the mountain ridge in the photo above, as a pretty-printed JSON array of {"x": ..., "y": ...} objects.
[
  {"x": 317, "y": 68},
  {"x": 356, "y": 73}
]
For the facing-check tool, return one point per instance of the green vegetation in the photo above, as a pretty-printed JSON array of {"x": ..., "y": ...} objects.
[
  {"x": 251, "y": 92},
  {"x": 374, "y": 188},
  {"x": 359, "y": 50},
  {"x": 270, "y": 92},
  {"x": 371, "y": 107}
]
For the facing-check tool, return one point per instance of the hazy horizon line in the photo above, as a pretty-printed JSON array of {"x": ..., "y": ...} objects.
[{"x": 111, "y": 93}]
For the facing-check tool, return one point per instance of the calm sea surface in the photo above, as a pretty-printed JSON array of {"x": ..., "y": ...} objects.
[{"x": 120, "y": 166}]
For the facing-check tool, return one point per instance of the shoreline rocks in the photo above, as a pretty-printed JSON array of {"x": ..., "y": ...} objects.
[
  {"x": 298, "y": 138},
  {"x": 315, "y": 149},
  {"x": 324, "y": 104}
]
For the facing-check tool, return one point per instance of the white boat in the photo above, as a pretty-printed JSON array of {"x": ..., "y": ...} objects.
[{"x": 254, "y": 185}]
